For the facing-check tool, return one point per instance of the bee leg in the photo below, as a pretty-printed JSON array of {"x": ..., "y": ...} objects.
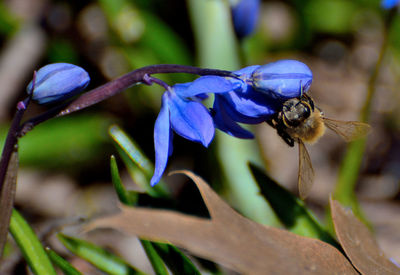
[
  {"x": 281, "y": 132},
  {"x": 286, "y": 137}
]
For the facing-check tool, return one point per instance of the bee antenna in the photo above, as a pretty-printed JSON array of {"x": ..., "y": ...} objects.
[{"x": 301, "y": 89}]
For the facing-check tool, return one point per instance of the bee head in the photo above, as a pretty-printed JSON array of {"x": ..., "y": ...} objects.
[{"x": 296, "y": 110}]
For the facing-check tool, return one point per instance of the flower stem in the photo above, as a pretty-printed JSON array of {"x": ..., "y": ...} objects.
[{"x": 114, "y": 87}]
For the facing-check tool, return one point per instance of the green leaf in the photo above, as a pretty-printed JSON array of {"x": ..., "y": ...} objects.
[
  {"x": 330, "y": 16},
  {"x": 290, "y": 210},
  {"x": 123, "y": 195},
  {"x": 177, "y": 262},
  {"x": 63, "y": 264},
  {"x": 97, "y": 256},
  {"x": 65, "y": 142},
  {"x": 139, "y": 166},
  {"x": 30, "y": 246}
]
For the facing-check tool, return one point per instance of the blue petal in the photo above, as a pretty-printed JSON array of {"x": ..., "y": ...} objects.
[
  {"x": 245, "y": 17},
  {"x": 250, "y": 106},
  {"x": 224, "y": 122},
  {"x": 246, "y": 72},
  {"x": 233, "y": 113},
  {"x": 162, "y": 141},
  {"x": 388, "y": 4},
  {"x": 283, "y": 79},
  {"x": 190, "y": 119},
  {"x": 208, "y": 84},
  {"x": 58, "y": 81}
]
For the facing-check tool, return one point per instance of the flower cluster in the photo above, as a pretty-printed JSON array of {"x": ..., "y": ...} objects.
[
  {"x": 254, "y": 95},
  {"x": 251, "y": 95}
]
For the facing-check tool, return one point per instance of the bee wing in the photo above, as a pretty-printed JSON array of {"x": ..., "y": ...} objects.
[
  {"x": 348, "y": 130},
  {"x": 306, "y": 171}
]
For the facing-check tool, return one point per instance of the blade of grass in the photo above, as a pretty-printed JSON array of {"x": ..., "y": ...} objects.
[
  {"x": 154, "y": 258},
  {"x": 105, "y": 261},
  {"x": 177, "y": 262},
  {"x": 63, "y": 264},
  {"x": 30, "y": 246},
  {"x": 123, "y": 195},
  {"x": 136, "y": 158}
]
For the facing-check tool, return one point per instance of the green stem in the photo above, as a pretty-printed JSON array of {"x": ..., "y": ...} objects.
[{"x": 350, "y": 167}]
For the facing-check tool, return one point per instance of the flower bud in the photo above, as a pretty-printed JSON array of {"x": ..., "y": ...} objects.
[
  {"x": 282, "y": 79},
  {"x": 245, "y": 16},
  {"x": 58, "y": 81}
]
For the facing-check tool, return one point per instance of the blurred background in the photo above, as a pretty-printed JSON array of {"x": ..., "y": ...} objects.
[{"x": 64, "y": 163}]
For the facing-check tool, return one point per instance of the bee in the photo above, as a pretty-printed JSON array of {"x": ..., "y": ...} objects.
[{"x": 302, "y": 122}]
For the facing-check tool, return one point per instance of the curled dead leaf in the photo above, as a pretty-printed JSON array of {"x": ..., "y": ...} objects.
[
  {"x": 359, "y": 244},
  {"x": 229, "y": 238}
]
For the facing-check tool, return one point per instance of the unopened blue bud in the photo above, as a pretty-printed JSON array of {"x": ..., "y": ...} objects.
[
  {"x": 282, "y": 79},
  {"x": 245, "y": 16},
  {"x": 57, "y": 82}
]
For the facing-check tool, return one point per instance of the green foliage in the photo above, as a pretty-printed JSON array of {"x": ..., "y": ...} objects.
[
  {"x": 30, "y": 246},
  {"x": 97, "y": 256},
  {"x": 63, "y": 264},
  {"x": 64, "y": 142},
  {"x": 290, "y": 210},
  {"x": 139, "y": 166}
]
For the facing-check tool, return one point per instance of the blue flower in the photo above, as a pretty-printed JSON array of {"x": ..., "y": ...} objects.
[
  {"x": 245, "y": 17},
  {"x": 389, "y": 4},
  {"x": 262, "y": 91},
  {"x": 283, "y": 79},
  {"x": 254, "y": 95},
  {"x": 186, "y": 117},
  {"x": 57, "y": 82}
]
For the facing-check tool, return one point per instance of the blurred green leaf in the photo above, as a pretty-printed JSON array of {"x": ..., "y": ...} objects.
[
  {"x": 97, "y": 256},
  {"x": 330, "y": 16},
  {"x": 139, "y": 166},
  {"x": 65, "y": 141},
  {"x": 290, "y": 210},
  {"x": 30, "y": 246},
  {"x": 177, "y": 262},
  {"x": 63, "y": 264},
  {"x": 61, "y": 50},
  {"x": 8, "y": 23}
]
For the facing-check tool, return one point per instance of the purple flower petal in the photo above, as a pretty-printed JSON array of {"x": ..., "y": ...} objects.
[
  {"x": 224, "y": 122},
  {"x": 283, "y": 79},
  {"x": 190, "y": 119},
  {"x": 162, "y": 141}
]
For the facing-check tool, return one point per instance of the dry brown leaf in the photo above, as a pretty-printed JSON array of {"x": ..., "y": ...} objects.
[
  {"x": 230, "y": 239},
  {"x": 359, "y": 244}
]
